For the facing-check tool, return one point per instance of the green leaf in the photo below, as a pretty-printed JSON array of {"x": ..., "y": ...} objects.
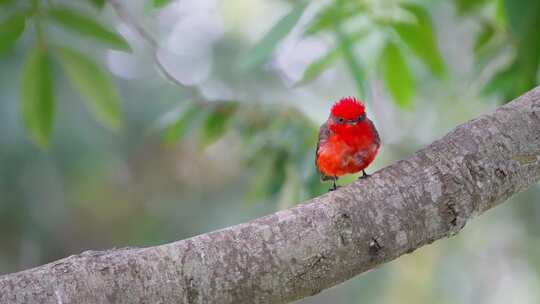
[
  {"x": 397, "y": 76},
  {"x": 501, "y": 81},
  {"x": 161, "y": 3},
  {"x": 500, "y": 14},
  {"x": 483, "y": 38},
  {"x": 468, "y": 6},
  {"x": 263, "y": 49},
  {"x": 84, "y": 25},
  {"x": 6, "y": 2},
  {"x": 353, "y": 64},
  {"x": 184, "y": 121},
  {"x": 320, "y": 65},
  {"x": 420, "y": 38},
  {"x": 523, "y": 18},
  {"x": 524, "y": 21},
  {"x": 511, "y": 81},
  {"x": 326, "y": 18},
  {"x": 11, "y": 29},
  {"x": 94, "y": 85},
  {"x": 216, "y": 122},
  {"x": 37, "y": 93},
  {"x": 99, "y": 4},
  {"x": 521, "y": 15}
]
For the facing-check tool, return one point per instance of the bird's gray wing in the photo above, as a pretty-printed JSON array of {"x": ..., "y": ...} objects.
[{"x": 324, "y": 133}]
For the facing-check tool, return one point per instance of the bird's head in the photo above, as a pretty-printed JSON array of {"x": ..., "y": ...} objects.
[{"x": 346, "y": 114}]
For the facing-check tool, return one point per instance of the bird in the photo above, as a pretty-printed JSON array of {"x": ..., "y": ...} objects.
[{"x": 348, "y": 141}]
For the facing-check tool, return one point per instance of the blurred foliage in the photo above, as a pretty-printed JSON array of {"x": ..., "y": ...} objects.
[
  {"x": 274, "y": 139},
  {"x": 37, "y": 84},
  {"x": 11, "y": 28},
  {"x": 160, "y": 3},
  {"x": 37, "y": 95},
  {"x": 218, "y": 159},
  {"x": 408, "y": 36},
  {"x": 400, "y": 85},
  {"x": 264, "y": 49},
  {"x": 406, "y": 28},
  {"x": 407, "y": 32},
  {"x": 508, "y": 30},
  {"x": 80, "y": 24},
  {"x": 94, "y": 85}
]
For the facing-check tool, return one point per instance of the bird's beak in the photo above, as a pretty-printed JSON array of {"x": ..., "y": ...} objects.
[{"x": 355, "y": 121}]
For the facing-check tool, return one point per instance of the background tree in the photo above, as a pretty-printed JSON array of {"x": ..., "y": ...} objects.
[{"x": 202, "y": 132}]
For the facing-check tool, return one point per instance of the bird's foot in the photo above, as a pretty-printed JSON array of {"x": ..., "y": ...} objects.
[
  {"x": 364, "y": 175},
  {"x": 334, "y": 184},
  {"x": 333, "y": 188}
]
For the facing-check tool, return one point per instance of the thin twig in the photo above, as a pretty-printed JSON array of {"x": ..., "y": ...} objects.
[{"x": 128, "y": 19}]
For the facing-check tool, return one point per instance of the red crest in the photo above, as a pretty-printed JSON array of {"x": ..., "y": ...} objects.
[{"x": 348, "y": 108}]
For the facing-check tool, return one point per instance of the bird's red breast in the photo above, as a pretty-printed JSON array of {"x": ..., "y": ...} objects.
[{"x": 348, "y": 140}]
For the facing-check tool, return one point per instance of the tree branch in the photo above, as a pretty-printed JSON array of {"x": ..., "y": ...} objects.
[{"x": 300, "y": 251}]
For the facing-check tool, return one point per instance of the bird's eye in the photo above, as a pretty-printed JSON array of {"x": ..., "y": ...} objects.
[{"x": 341, "y": 120}]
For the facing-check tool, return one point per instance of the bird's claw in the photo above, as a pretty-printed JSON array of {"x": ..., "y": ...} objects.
[
  {"x": 333, "y": 188},
  {"x": 334, "y": 185},
  {"x": 364, "y": 175}
]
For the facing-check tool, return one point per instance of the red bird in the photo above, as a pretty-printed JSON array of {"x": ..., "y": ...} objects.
[{"x": 348, "y": 141}]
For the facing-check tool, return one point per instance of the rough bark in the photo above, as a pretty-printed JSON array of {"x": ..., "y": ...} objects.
[{"x": 300, "y": 251}]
